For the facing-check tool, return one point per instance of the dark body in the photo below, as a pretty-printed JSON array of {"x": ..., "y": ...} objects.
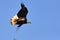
[{"x": 22, "y": 14}]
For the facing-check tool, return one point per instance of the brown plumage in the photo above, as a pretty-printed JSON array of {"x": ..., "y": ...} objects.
[{"x": 21, "y": 17}]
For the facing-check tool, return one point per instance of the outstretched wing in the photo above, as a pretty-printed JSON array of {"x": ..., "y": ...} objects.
[{"x": 23, "y": 12}]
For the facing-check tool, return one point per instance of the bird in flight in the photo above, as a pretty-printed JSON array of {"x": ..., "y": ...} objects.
[{"x": 21, "y": 17}]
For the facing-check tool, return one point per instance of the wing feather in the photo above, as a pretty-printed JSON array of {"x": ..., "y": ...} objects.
[{"x": 23, "y": 12}]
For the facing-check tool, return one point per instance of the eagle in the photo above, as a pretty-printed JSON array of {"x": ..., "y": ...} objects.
[{"x": 21, "y": 17}]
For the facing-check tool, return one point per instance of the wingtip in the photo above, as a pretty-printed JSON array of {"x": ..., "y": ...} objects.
[{"x": 17, "y": 29}]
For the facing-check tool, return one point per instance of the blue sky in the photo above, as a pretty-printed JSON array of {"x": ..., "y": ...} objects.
[{"x": 44, "y": 15}]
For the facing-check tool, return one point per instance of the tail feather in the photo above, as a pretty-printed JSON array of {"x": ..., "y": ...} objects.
[{"x": 28, "y": 22}]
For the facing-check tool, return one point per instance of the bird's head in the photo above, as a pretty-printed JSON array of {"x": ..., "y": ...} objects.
[{"x": 14, "y": 20}]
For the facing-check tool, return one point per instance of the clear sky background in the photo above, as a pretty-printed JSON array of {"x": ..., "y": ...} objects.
[{"x": 44, "y": 15}]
